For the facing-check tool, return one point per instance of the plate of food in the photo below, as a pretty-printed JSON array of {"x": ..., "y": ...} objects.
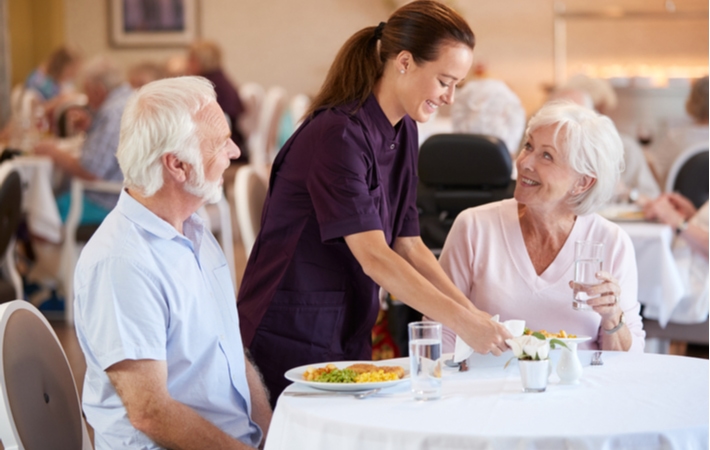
[
  {"x": 350, "y": 376},
  {"x": 623, "y": 213},
  {"x": 561, "y": 335}
]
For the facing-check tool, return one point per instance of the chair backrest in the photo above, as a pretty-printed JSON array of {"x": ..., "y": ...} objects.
[
  {"x": 459, "y": 171},
  {"x": 10, "y": 218},
  {"x": 262, "y": 143},
  {"x": 10, "y": 204},
  {"x": 218, "y": 218},
  {"x": 297, "y": 107},
  {"x": 252, "y": 97},
  {"x": 689, "y": 174},
  {"x": 40, "y": 407},
  {"x": 250, "y": 190}
]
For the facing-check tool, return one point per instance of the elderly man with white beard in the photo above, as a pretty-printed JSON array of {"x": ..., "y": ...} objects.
[{"x": 155, "y": 308}]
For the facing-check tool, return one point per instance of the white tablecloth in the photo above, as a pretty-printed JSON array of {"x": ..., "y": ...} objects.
[
  {"x": 640, "y": 401},
  {"x": 38, "y": 200},
  {"x": 661, "y": 285}
]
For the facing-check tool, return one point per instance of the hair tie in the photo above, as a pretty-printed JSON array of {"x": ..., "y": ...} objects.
[{"x": 378, "y": 30}]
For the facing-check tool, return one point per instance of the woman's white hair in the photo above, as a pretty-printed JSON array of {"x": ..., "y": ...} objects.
[
  {"x": 592, "y": 145},
  {"x": 158, "y": 119}
]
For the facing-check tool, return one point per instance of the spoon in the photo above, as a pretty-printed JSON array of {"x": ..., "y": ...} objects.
[{"x": 358, "y": 395}]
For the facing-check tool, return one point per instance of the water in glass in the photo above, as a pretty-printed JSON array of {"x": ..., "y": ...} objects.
[
  {"x": 585, "y": 275},
  {"x": 425, "y": 368}
]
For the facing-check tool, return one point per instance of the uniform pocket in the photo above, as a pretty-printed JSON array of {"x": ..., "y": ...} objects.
[{"x": 309, "y": 319}]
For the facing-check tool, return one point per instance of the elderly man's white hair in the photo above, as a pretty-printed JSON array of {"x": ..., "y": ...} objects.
[
  {"x": 592, "y": 146},
  {"x": 489, "y": 107},
  {"x": 600, "y": 90},
  {"x": 103, "y": 70},
  {"x": 158, "y": 119}
]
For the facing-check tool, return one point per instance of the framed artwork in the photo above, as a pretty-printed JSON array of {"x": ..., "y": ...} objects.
[{"x": 152, "y": 23}]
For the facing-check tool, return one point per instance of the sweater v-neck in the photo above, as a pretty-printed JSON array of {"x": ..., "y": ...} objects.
[{"x": 513, "y": 234}]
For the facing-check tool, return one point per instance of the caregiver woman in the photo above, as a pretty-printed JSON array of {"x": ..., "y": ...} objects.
[{"x": 340, "y": 218}]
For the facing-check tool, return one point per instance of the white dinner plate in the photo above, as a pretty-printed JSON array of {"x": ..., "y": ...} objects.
[
  {"x": 296, "y": 375},
  {"x": 576, "y": 340},
  {"x": 623, "y": 213}
]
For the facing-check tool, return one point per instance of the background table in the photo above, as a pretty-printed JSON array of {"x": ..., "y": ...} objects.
[
  {"x": 642, "y": 401},
  {"x": 661, "y": 285},
  {"x": 38, "y": 197}
]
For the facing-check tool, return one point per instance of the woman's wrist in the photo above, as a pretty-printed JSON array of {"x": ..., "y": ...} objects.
[{"x": 612, "y": 324}]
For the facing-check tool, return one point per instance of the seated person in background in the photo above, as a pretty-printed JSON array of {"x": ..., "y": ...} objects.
[
  {"x": 176, "y": 66},
  {"x": 489, "y": 107},
  {"x": 204, "y": 58},
  {"x": 52, "y": 80},
  {"x": 145, "y": 72},
  {"x": 676, "y": 140},
  {"x": 107, "y": 95},
  {"x": 155, "y": 308},
  {"x": 637, "y": 179},
  {"x": 516, "y": 257},
  {"x": 690, "y": 250}
]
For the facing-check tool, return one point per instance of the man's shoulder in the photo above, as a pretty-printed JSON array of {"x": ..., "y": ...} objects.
[{"x": 116, "y": 237}]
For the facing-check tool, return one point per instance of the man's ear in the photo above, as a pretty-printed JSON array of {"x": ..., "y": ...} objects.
[{"x": 174, "y": 169}]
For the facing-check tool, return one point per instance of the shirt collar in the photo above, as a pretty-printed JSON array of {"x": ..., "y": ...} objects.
[
  {"x": 147, "y": 220},
  {"x": 375, "y": 117}
]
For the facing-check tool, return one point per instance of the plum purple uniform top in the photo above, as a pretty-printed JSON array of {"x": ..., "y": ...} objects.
[{"x": 305, "y": 298}]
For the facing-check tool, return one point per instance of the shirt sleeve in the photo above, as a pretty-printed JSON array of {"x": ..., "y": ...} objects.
[
  {"x": 457, "y": 261},
  {"x": 98, "y": 154},
  {"x": 623, "y": 268},
  {"x": 124, "y": 313},
  {"x": 338, "y": 183}
]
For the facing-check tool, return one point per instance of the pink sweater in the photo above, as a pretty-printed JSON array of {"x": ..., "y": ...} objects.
[{"x": 486, "y": 258}]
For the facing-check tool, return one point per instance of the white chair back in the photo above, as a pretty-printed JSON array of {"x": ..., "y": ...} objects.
[
  {"x": 252, "y": 96},
  {"x": 250, "y": 190},
  {"x": 298, "y": 106},
  {"x": 39, "y": 404},
  {"x": 222, "y": 224},
  {"x": 262, "y": 143}
]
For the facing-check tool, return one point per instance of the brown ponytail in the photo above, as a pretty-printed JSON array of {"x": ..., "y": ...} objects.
[{"x": 420, "y": 27}]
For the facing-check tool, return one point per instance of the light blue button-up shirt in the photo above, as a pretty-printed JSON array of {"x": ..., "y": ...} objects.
[{"x": 145, "y": 291}]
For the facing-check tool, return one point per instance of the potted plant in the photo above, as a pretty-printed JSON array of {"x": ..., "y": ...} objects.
[{"x": 533, "y": 353}]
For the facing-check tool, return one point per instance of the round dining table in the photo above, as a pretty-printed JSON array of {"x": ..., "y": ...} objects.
[{"x": 632, "y": 401}]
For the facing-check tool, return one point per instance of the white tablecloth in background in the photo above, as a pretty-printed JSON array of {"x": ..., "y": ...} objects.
[
  {"x": 661, "y": 285},
  {"x": 641, "y": 401},
  {"x": 38, "y": 200}
]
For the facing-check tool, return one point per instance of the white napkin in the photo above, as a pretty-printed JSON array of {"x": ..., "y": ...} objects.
[{"x": 462, "y": 351}]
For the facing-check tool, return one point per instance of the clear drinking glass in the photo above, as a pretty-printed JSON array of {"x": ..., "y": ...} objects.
[
  {"x": 587, "y": 262},
  {"x": 425, "y": 359}
]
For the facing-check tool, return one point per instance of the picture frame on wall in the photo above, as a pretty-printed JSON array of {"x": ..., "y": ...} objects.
[{"x": 152, "y": 23}]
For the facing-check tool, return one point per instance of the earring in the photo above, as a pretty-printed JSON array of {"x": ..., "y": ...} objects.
[{"x": 402, "y": 71}]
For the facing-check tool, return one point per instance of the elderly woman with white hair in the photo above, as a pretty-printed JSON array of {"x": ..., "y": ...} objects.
[
  {"x": 516, "y": 257},
  {"x": 489, "y": 107}
]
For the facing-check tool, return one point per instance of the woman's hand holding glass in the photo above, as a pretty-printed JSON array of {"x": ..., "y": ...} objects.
[{"x": 603, "y": 298}]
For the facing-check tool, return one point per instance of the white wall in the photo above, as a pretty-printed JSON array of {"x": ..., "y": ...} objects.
[{"x": 292, "y": 43}]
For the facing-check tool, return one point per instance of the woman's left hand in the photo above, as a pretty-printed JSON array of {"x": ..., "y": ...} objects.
[{"x": 607, "y": 304}]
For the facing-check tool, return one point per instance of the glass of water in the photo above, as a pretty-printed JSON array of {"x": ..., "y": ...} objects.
[
  {"x": 587, "y": 262},
  {"x": 425, "y": 359}
]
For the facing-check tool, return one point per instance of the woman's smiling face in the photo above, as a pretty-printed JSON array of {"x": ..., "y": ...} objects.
[
  {"x": 424, "y": 87},
  {"x": 545, "y": 178}
]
